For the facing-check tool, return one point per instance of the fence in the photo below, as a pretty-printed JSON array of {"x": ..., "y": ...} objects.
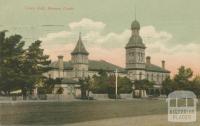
[
  {"x": 59, "y": 97},
  {"x": 51, "y": 97},
  {"x": 99, "y": 96},
  {"x": 126, "y": 96}
]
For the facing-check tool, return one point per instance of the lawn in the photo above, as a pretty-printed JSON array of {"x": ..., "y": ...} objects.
[{"x": 77, "y": 111}]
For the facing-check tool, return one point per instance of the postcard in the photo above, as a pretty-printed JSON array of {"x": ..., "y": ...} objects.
[{"x": 100, "y": 62}]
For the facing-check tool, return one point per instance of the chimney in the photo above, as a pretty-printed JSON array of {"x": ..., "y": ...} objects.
[
  {"x": 60, "y": 62},
  {"x": 163, "y": 64},
  {"x": 148, "y": 60}
]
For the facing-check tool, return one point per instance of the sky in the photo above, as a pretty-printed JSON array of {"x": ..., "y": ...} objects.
[{"x": 170, "y": 28}]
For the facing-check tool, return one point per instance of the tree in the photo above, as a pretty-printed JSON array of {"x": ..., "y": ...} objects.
[
  {"x": 111, "y": 87},
  {"x": 35, "y": 65},
  {"x": 48, "y": 85},
  {"x": 89, "y": 86},
  {"x": 100, "y": 82},
  {"x": 84, "y": 87},
  {"x": 168, "y": 85},
  {"x": 195, "y": 85},
  {"x": 182, "y": 81},
  {"x": 11, "y": 62},
  {"x": 60, "y": 91},
  {"x": 125, "y": 85},
  {"x": 143, "y": 84},
  {"x": 20, "y": 68},
  {"x": 183, "y": 77}
]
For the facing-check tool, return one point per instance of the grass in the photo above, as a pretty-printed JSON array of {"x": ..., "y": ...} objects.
[{"x": 77, "y": 111}]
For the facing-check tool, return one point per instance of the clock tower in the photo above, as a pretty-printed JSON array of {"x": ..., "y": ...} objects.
[{"x": 135, "y": 54}]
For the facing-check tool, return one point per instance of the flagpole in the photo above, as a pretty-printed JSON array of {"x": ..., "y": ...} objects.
[{"x": 116, "y": 77}]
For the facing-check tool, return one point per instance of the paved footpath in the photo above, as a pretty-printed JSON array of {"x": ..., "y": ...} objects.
[{"x": 150, "y": 120}]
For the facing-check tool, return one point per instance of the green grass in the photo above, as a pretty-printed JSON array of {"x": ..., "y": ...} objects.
[{"x": 77, "y": 111}]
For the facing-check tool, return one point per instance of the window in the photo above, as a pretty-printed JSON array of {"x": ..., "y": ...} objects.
[
  {"x": 139, "y": 55},
  {"x": 142, "y": 56},
  {"x": 83, "y": 72},
  {"x": 147, "y": 76},
  {"x": 140, "y": 76},
  {"x": 75, "y": 72},
  {"x": 49, "y": 75},
  {"x": 157, "y": 77}
]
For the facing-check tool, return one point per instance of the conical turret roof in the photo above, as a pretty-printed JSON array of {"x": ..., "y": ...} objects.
[{"x": 80, "y": 48}]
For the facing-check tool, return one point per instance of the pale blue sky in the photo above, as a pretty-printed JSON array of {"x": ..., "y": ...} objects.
[{"x": 179, "y": 17}]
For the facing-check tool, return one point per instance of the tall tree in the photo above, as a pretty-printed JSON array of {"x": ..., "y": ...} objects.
[
  {"x": 168, "y": 85},
  {"x": 195, "y": 86},
  {"x": 184, "y": 74},
  {"x": 11, "y": 61},
  {"x": 182, "y": 81},
  {"x": 20, "y": 68},
  {"x": 100, "y": 82},
  {"x": 143, "y": 84},
  {"x": 35, "y": 65}
]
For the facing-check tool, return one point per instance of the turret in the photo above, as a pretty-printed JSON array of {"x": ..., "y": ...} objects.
[
  {"x": 135, "y": 48},
  {"x": 79, "y": 57},
  {"x": 135, "y": 53}
]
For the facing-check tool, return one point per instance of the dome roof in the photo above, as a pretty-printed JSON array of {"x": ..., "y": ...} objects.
[
  {"x": 135, "y": 42},
  {"x": 135, "y": 25}
]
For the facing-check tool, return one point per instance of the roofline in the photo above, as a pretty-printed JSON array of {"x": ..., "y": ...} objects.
[
  {"x": 148, "y": 70},
  {"x": 56, "y": 68},
  {"x": 135, "y": 63},
  {"x": 158, "y": 71},
  {"x": 135, "y": 68},
  {"x": 120, "y": 71},
  {"x": 80, "y": 63},
  {"x": 128, "y": 47},
  {"x": 75, "y": 53}
]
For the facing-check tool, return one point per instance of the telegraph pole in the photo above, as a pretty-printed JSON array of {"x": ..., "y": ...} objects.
[{"x": 116, "y": 77}]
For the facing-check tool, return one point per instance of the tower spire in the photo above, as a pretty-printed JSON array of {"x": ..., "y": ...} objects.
[
  {"x": 79, "y": 35},
  {"x": 80, "y": 48},
  {"x": 135, "y": 12}
]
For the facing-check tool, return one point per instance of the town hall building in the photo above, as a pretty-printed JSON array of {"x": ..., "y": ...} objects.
[{"x": 137, "y": 66}]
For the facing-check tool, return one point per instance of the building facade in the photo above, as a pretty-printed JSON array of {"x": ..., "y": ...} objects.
[{"x": 137, "y": 66}]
